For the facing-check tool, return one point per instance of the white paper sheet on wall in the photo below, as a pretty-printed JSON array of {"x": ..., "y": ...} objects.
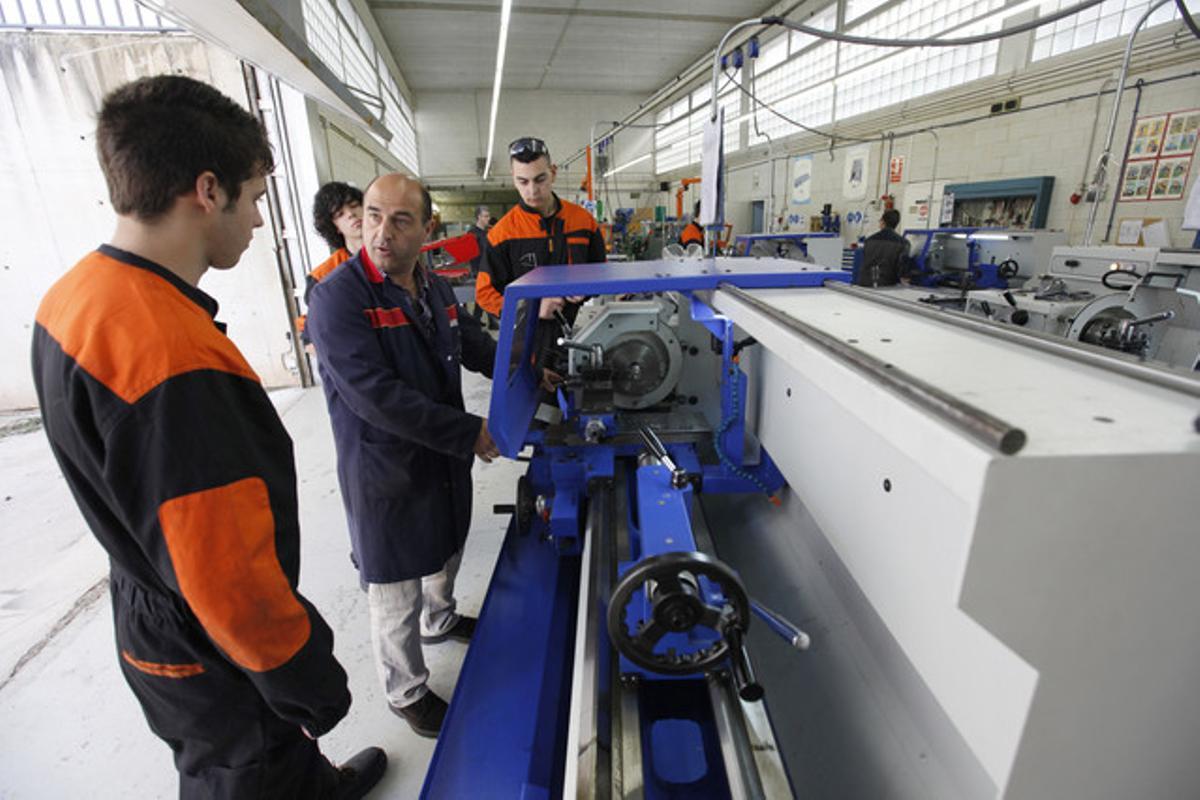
[
  {"x": 1154, "y": 234},
  {"x": 854, "y": 175},
  {"x": 1130, "y": 232},
  {"x": 802, "y": 167}
]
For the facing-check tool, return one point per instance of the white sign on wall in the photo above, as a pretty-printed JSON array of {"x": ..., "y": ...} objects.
[
  {"x": 854, "y": 178},
  {"x": 801, "y": 193}
]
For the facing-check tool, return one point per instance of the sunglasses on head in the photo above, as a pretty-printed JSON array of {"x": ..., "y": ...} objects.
[{"x": 528, "y": 147}]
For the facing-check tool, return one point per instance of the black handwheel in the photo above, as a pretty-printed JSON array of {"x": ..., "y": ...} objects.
[
  {"x": 677, "y": 605},
  {"x": 1136, "y": 277},
  {"x": 1008, "y": 268}
]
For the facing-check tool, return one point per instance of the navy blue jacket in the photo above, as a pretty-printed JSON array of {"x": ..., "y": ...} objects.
[{"x": 404, "y": 443}]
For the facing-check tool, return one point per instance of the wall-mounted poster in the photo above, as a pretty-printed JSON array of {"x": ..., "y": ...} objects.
[
  {"x": 801, "y": 180},
  {"x": 1182, "y": 128},
  {"x": 1170, "y": 176},
  {"x": 1135, "y": 182},
  {"x": 1148, "y": 136},
  {"x": 854, "y": 178}
]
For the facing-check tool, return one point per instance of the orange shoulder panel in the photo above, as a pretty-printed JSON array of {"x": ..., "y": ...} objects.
[
  {"x": 340, "y": 256},
  {"x": 516, "y": 224},
  {"x": 131, "y": 329},
  {"x": 222, "y": 546},
  {"x": 576, "y": 217}
]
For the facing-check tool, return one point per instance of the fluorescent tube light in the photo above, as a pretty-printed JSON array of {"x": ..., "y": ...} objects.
[
  {"x": 627, "y": 165},
  {"x": 505, "y": 16}
]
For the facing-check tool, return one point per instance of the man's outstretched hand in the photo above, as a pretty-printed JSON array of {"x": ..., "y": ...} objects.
[{"x": 485, "y": 448}]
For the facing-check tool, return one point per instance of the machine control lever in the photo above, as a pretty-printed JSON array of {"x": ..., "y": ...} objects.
[
  {"x": 786, "y": 630},
  {"x": 659, "y": 451},
  {"x": 747, "y": 685},
  {"x": 594, "y": 350}
]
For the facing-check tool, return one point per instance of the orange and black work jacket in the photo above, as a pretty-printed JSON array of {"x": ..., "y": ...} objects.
[
  {"x": 319, "y": 273},
  {"x": 691, "y": 232},
  {"x": 523, "y": 239},
  {"x": 391, "y": 368},
  {"x": 184, "y": 472}
]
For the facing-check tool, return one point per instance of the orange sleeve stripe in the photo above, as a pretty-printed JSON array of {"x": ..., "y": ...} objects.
[
  {"x": 131, "y": 329},
  {"x": 340, "y": 256},
  {"x": 486, "y": 296},
  {"x": 222, "y": 546},
  {"x": 163, "y": 670}
]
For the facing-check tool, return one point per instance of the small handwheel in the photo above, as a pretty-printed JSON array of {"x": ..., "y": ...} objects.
[
  {"x": 1008, "y": 269},
  {"x": 671, "y": 581}
]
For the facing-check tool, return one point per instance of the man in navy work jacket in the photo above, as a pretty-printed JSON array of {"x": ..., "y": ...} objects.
[{"x": 390, "y": 343}]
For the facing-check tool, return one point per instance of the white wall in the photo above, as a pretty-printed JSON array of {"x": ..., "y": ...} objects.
[
  {"x": 1051, "y": 141},
  {"x": 55, "y": 206},
  {"x": 452, "y": 129}
]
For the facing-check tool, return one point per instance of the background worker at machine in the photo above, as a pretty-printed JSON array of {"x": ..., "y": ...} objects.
[
  {"x": 391, "y": 343},
  {"x": 540, "y": 230},
  {"x": 692, "y": 233},
  {"x": 180, "y": 463},
  {"x": 885, "y": 254}
]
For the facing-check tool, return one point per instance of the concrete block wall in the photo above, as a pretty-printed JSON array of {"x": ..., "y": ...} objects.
[
  {"x": 452, "y": 131},
  {"x": 1052, "y": 140},
  {"x": 55, "y": 208}
]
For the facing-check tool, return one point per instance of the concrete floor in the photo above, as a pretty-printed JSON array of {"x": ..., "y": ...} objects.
[{"x": 71, "y": 728}]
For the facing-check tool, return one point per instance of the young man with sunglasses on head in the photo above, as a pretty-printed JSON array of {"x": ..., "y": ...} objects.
[{"x": 541, "y": 230}]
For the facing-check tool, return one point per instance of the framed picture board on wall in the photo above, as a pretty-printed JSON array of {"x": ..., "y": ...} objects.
[{"x": 1148, "y": 137}]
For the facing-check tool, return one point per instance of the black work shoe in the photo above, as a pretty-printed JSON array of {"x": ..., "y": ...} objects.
[
  {"x": 460, "y": 631},
  {"x": 424, "y": 716},
  {"x": 358, "y": 775}
]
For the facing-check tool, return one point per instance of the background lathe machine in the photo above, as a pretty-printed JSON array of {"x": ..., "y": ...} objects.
[{"x": 993, "y": 548}]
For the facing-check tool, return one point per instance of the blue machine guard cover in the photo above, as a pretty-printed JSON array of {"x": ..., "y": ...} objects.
[{"x": 515, "y": 395}]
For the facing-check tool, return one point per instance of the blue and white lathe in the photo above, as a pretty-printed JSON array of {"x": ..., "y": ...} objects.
[{"x": 990, "y": 536}]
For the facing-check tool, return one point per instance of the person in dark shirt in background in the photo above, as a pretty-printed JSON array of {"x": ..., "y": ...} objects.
[
  {"x": 885, "y": 254},
  {"x": 483, "y": 221}
]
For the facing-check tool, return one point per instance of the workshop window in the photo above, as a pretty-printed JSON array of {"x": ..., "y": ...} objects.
[
  {"x": 1093, "y": 25},
  {"x": 823, "y": 20},
  {"x": 116, "y": 15}
]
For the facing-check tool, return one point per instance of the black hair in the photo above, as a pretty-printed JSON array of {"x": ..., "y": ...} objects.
[
  {"x": 330, "y": 199},
  {"x": 891, "y": 218},
  {"x": 156, "y": 135}
]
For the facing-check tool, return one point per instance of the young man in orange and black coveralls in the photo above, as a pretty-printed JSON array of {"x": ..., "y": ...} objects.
[
  {"x": 692, "y": 233},
  {"x": 541, "y": 230},
  {"x": 180, "y": 464},
  {"x": 337, "y": 217}
]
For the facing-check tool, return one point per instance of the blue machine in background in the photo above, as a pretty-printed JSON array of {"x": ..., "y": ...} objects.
[
  {"x": 609, "y": 650},
  {"x": 956, "y": 257}
]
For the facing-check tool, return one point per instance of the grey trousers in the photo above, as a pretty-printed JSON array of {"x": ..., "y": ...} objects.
[{"x": 401, "y": 613}]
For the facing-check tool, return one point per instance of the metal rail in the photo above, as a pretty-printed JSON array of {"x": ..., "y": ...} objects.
[
  {"x": 736, "y": 750},
  {"x": 975, "y": 422},
  {"x": 587, "y": 775},
  {"x": 1093, "y": 356}
]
